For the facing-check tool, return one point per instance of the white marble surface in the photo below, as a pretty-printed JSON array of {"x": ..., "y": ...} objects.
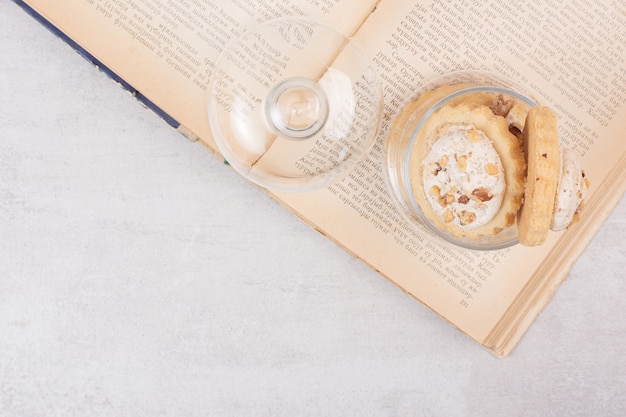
[{"x": 139, "y": 276}]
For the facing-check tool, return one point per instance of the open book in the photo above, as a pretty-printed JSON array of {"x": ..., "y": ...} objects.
[{"x": 570, "y": 55}]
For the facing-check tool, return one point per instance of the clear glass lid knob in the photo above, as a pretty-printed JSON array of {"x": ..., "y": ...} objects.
[{"x": 296, "y": 107}]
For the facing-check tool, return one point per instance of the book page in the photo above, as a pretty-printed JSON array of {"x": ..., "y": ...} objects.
[
  {"x": 166, "y": 49},
  {"x": 577, "y": 70}
]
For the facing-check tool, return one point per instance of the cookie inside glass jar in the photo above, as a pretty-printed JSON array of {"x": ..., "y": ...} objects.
[
  {"x": 466, "y": 166},
  {"x": 483, "y": 167}
]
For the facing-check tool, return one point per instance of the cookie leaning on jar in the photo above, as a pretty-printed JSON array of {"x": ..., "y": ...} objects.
[{"x": 486, "y": 161}]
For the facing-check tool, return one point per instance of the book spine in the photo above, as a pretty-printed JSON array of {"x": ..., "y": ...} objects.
[{"x": 90, "y": 58}]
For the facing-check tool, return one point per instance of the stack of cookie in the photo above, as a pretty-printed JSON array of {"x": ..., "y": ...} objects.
[{"x": 486, "y": 161}]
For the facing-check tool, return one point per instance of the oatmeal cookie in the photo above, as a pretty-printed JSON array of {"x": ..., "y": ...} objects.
[
  {"x": 541, "y": 145},
  {"x": 573, "y": 186},
  {"x": 467, "y": 170}
]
